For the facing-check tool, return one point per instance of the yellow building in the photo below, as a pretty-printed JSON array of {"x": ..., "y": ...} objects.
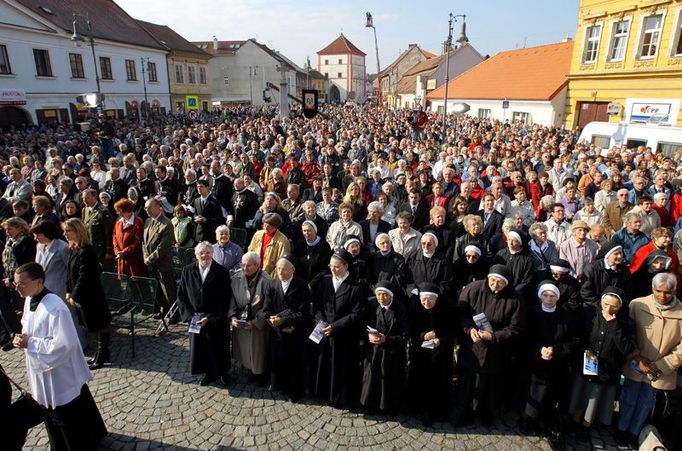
[{"x": 627, "y": 63}]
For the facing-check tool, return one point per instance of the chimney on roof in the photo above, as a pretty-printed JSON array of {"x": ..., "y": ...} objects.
[
  {"x": 411, "y": 46},
  {"x": 567, "y": 39},
  {"x": 215, "y": 43},
  {"x": 462, "y": 39}
]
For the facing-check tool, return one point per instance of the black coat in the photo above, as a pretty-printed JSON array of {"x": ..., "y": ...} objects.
[
  {"x": 117, "y": 189},
  {"x": 338, "y": 357},
  {"x": 222, "y": 191},
  {"x": 390, "y": 267},
  {"x": 465, "y": 240},
  {"x": 465, "y": 272},
  {"x": 383, "y": 379},
  {"x": 383, "y": 227},
  {"x": 214, "y": 217},
  {"x": 494, "y": 224},
  {"x": 320, "y": 223},
  {"x": 597, "y": 278},
  {"x": 506, "y": 316},
  {"x": 287, "y": 358},
  {"x": 243, "y": 207},
  {"x": 550, "y": 329},
  {"x": 435, "y": 269},
  {"x": 421, "y": 217},
  {"x": 312, "y": 260},
  {"x": 611, "y": 341},
  {"x": 209, "y": 349},
  {"x": 85, "y": 288},
  {"x": 521, "y": 267}
]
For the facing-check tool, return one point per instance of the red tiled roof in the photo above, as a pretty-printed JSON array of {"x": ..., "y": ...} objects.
[
  {"x": 535, "y": 73},
  {"x": 170, "y": 38},
  {"x": 340, "y": 46},
  {"x": 109, "y": 21}
]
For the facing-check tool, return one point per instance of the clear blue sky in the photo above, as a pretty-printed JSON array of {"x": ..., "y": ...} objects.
[{"x": 300, "y": 28}]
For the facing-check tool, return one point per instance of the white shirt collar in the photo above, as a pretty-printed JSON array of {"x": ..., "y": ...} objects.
[
  {"x": 337, "y": 282},
  {"x": 285, "y": 284},
  {"x": 204, "y": 272},
  {"x": 127, "y": 222}
]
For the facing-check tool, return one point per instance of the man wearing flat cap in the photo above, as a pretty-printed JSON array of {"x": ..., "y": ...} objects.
[{"x": 578, "y": 250}]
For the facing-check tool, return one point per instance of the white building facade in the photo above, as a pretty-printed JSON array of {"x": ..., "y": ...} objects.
[
  {"x": 47, "y": 68},
  {"x": 344, "y": 64}
]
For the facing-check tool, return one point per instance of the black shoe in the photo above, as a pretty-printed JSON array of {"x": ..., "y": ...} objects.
[
  {"x": 634, "y": 441},
  {"x": 207, "y": 380},
  {"x": 582, "y": 434},
  {"x": 7, "y": 346},
  {"x": 556, "y": 440},
  {"x": 96, "y": 365},
  {"x": 225, "y": 380},
  {"x": 622, "y": 438},
  {"x": 525, "y": 426}
]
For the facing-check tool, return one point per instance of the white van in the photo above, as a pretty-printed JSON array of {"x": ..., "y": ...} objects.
[{"x": 660, "y": 138}]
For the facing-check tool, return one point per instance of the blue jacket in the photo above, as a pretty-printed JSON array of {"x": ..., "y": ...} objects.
[{"x": 629, "y": 242}]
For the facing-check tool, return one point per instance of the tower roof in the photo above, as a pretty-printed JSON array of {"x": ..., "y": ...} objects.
[{"x": 340, "y": 46}]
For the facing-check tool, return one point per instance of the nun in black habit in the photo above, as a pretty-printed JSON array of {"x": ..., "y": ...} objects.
[
  {"x": 385, "y": 360},
  {"x": 517, "y": 259},
  {"x": 313, "y": 253},
  {"x": 432, "y": 337},
  {"x": 388, "y": 265},
  {"x": 429, "y": 264},
  {"x": 338, "y": 307},
  {"x": 485, "y": 354},
  {"x": 656, "y": 262},
  {"x": 361, "y": 265},
  {"x": 203, "y": 291},
  {"x": 286, "y": 311},
  {"x": 471, "y": 266}
]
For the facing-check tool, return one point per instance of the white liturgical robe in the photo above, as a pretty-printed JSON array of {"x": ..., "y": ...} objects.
[{"x": 55, "y": 362}]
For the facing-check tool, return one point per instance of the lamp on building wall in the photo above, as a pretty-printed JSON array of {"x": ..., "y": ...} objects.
[
  {"x": 370, "y": 24},
  {"x": 78, "y": 39},
  {"x": 448, "y": 44}
]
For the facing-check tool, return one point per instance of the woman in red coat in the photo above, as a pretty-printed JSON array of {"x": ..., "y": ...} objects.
[{"x": 127, "y": 237}]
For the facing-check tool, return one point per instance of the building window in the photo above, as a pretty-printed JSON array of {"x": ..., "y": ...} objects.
[
  {"x": 151, "y": 69},
  {"x": 484, "y": 113},
  {"x": 339, "y": 75},
  {"x": 520, "y": 116},
  {"x": 179, "y": 74},
  {"x": 105, "y": 66},
  {"x": 326, "y": 75},
  {"x": 202, "y": 75},
  {"x": 131, "y": 73},
  {"x": 677, "y": 49},
  {"x": 591, "y": 44},
  {"x": 651, "y": 34},
  {"x": 191, "y": 77},
  {"x": 4, "y": 61},
  {"x": 326, "y": 61},
  {"x": 619, "y": 40},
  {"x": 76, "y": 62},
  {"x": 42, "y": 59},
  {"x": 340, "y": 61}
]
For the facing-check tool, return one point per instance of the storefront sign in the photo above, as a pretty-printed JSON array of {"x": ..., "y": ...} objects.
[
  {"x": 613, "y": 108},
  {"x": 191, "y": 102},
  {"x": 12, "y": 97},
  {"x": 646, "y": 112}
]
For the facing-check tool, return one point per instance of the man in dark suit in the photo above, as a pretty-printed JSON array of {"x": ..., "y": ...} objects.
[
  {"x": 492, "y": 219},
  {"x": 100, "y": 224},
  {"x": 201, "y": 299},
  {"x": 208, "y": 215},
  {"x": 158, "y": 239},
  {"x": 222, "y": 186},
  {"x": 243, "y": 205},
  {"x": 375, "y": 211},
  {"x": 417, "y": 207},
  {"x": 116, "y": 187}
]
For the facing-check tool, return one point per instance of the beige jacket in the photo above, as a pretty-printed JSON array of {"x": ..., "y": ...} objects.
[
  {"x": 659, "y": 339},
  {"x": 278, "y": 246}
]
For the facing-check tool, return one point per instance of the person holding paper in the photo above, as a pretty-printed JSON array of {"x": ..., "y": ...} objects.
[
  {"x": 431, "y": 349},
  {"x": 607, "y": 339},
  {"x": 201, "y": 299},
  {"x": 287, "y": 311},
  {"x": 383, "y": 380},
  {"x": 491, "y": 318},
  {"x": 338, "y": 304}
]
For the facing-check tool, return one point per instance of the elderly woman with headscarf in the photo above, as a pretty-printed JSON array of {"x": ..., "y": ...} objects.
[
  {"x": 430, "y": 265},
  {"x": 658, "y": 326},
  {"x": 542, "y": 249},
  {"x": 373, "y": 225},
  {"x": 250, "y": 288},
  {"x": 361, "y": 265},
  {"x": 656, "y": 262},
  {"x": 269, "y": 243},
  {"x": 383, "y": 381},
  {"x": 471, "y": 266},
  {"x": 287, "y": 311},
  {"x": 551, "y": 341},
  {"x": 431, "y": 346},
  {"x": 491, "y": 319},
  {"x": 404, "y": 239},
  {"x": 313, "y": 253},
  {"x": 518, "y": 261},
  {"x": 338, "y": 299},
  {"x": 388, "y": 265},
  {"x": 606, "y": 340},
  {"x": 608, "y": 269}
]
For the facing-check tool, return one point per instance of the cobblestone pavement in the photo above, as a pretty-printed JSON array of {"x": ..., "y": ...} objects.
[{"x": 153, "y": 402}]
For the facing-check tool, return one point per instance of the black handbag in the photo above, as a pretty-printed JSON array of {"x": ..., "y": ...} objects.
[{"x": 25, "y": 410}]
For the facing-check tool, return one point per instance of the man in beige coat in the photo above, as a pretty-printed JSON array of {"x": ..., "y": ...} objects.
[
  {"x": 658, "y": 322},
  {"x": 158, "y": 240}
]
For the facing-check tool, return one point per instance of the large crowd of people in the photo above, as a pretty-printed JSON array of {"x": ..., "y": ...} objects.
[{"x": 445, "y": 272}]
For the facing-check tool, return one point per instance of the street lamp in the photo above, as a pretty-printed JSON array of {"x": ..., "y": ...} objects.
[
  {"x": 144, "y": 85},
  {"x": 370, "y": 24},
  {"x": 448, "y": 45},
  {"x": 78, "y": 39}
]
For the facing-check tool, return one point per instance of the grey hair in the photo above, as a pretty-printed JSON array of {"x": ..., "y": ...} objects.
[
  {"x": 252, "y": 257},
  {"x": 508, "y": 222},
  {"x": 533, "y": 230},
  {"x": 630, "y": 215},
  {"x": 375, "y": 205},
  {"x": 222, "y": 228},
  {"x": 664, "y": 279},
  {"x": 203, "y": 246}
]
